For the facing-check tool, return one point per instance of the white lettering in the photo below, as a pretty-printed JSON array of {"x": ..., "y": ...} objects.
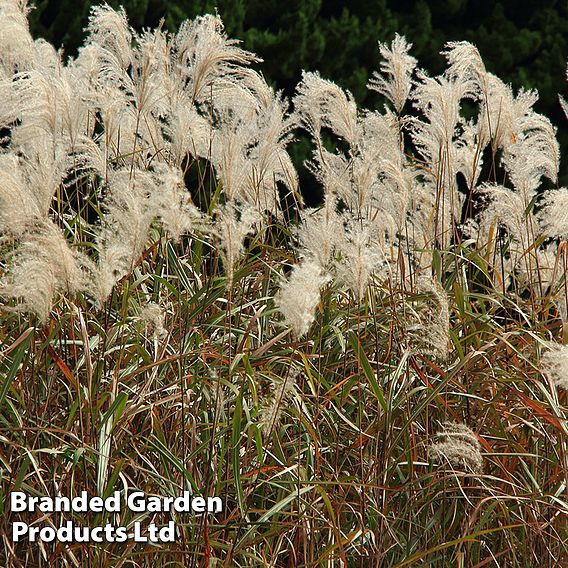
[
  {"x": 18, "y": 529},
  {"x": 154, "y": 505},
  {"x": 65, "y": 532},
  {"x": 80, "y": 534},
  {"x": 96, "y": 505},
  {"x": 96, "y": 534},
  {"x": 214, "y": 501},
  {"x": 47, "y": 534},
  {"x": 112, "y": 503},
  {"x": 167, "y": 503},
  {"x": 80, "y": 504},
  {"x": 182, "y": 504},
  {"x": 168, "y": 533},
  {"x": 32, "y": 532},
  {"x": 121, "y": 534},
  {"x": 45, "y": 505},
  {"x": 198, "y": 504},
  {"x": 62, "y": 504},
  {"x": 18, "y": 501},
  {"x": 136, "y": 502},
  {"x": 138, "y": 536}
]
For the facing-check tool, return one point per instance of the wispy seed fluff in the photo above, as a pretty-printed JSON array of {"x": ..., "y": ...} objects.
[
  {"x": 554, "y": 364},
  {"x": 152, "y": 315},
  {"x": 360, "y": 257},
  {"x": 124, "y": 232},
  {"x": 553, "y": 216},
  {"x": 16, "y": 44},
  {"x": 43, "y": 266},
  {"x": 430, "y": 329},
  {"x": 394, "y": 81},
  {"x": 232, "y": 224},
  {"x": 283, "y": 389},
  {"x": 320, "y": 231},
  {"x": 299, "y": 295},
  {"x": 457, "y": 445}
]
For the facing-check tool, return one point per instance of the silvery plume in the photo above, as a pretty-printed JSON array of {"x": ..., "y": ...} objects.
[
  {"x": 458, "y": 446},
  {"x": 299, "y": 295},
  {"x": 554, "y": 364}
]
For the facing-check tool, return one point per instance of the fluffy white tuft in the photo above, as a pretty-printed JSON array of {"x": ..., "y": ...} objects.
[
  {"x": 299, "y": 295},
  {"x": 458, "y": 446}
]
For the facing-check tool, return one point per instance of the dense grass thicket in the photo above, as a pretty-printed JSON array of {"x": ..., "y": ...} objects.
[{"x": 380, "y": 381}]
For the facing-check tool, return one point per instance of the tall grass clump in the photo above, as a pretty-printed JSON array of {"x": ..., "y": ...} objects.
[{"x": 379, "y": 381}]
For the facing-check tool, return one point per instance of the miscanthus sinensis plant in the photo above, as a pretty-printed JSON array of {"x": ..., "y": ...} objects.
[
  {"x": 174, "y": 319},
  {"x": 121, "y": 121}
]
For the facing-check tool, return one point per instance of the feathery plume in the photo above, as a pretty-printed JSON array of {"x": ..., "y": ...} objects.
[
  {"x": 506, "y": 207},
  {"x": 535, "y": 153},
  {"x": 360, "y": 257},
  {"x": 465, "y": 61},
  {"x": 320, "y": 103},
  {"x": 16, "y": 44},
  {"x": 320, "y": 231},
  {"x": 457, "y": 445},
  {"x": 170, "y": 202},
  {"x": 563, "y": 102},
  {"x": 564, "y": 105},
  {"x": 109, "y": 30},
  {"x": 43, "y": 266},
  {"x": 498, "y": 112},
  {"x": 124, "y": 232},
  {"x": 554, "y": 364},
  {"x": 151, "y": 74},
  {"x": 208, "y": 61},
  {"x": 431, "y": 329},
  {"x": 553, "y": 216},
  {"x": 152, "y": 315},
  {"x": 439, "y": 100},
  {"x": 299, "y": 295},
  {"x": 469, "y": 158},
  {"x": 18, "y": 207},
  {"x": 232, "y": 224},
  {"x": 542, "y": 267},
  {"x": 248, "y": 147},
  {"x": 188, "y": 131},
  {"x": 396, "y": 69},
  {"x": 283, "y": 389}
]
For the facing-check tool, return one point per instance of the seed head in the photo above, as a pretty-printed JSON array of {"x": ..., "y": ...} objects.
[{"x": 457, "y": 445}]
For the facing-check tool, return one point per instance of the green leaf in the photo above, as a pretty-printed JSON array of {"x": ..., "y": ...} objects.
[{"x": 367, "y": 370}]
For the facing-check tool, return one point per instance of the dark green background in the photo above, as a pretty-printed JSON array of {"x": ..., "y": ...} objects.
[{"x": 524, "y": 43}]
